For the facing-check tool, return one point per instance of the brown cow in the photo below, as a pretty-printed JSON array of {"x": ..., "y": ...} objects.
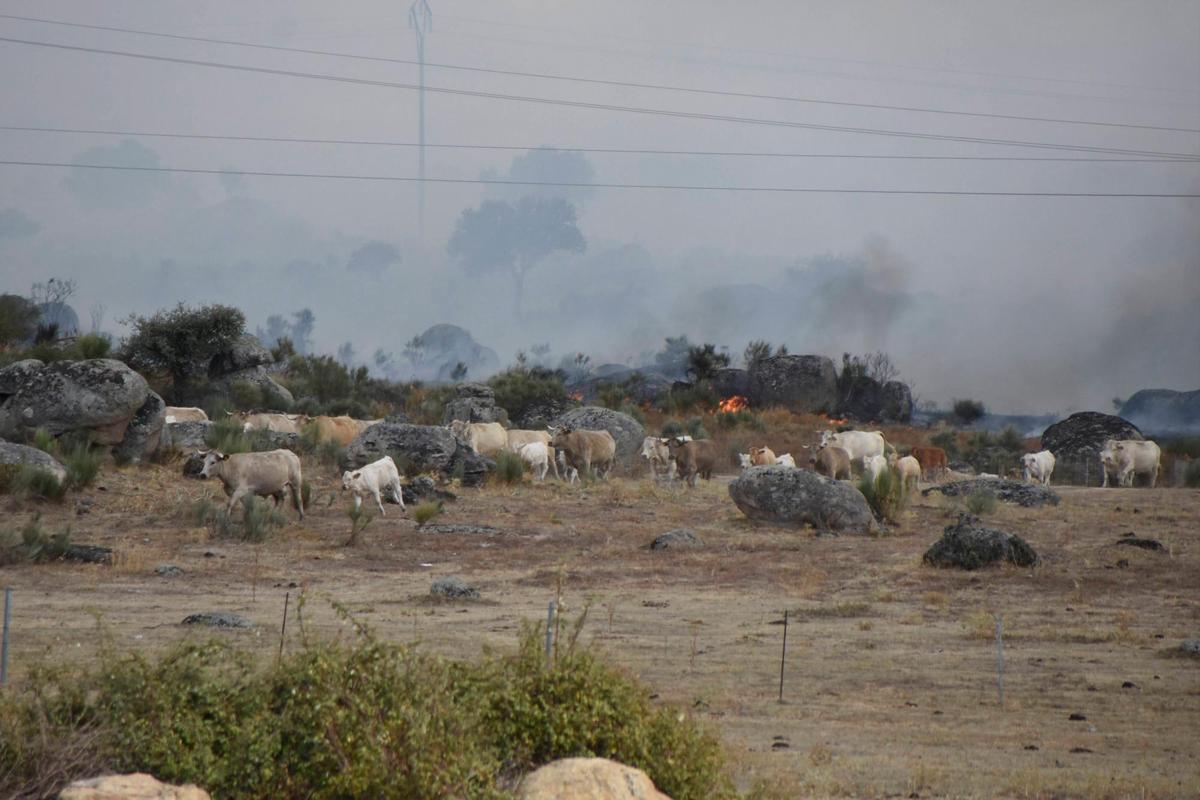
[
  {"x": 762, "y": 457},
  {"x": 695, "y": 458},
  {"x": 335, "y": 429},
  {"x": 269, "y": 474},
  {"x": 831, "y": 461},
  {"x": 585, "y": 450},
  {"x": 932, "y": 459}
]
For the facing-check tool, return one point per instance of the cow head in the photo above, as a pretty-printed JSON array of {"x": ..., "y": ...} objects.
[
  {"x": 349, "y": 478},
  {"x": 211, "y": 459},
  {"x": 558, "y": 433},
  {"x": 828, "y": 437},
  {"x": 744, "y": 460}
]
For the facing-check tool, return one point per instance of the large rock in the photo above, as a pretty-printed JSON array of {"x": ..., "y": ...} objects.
[
  {"x": 474, "y": 402},
  {"x": 787, "y": 496},
  {"x": 274, "y": 396},
  {"x": 804, "y": 384},
  {"x": 186, "y": 435},
  {"x": 1163, "y": 410},
  {"x": 247, "y": 352},
  {"x": 731, "y": 381},
  {"x": 415, "y": 448},
  {"x": 443, "y": 347},
  {"x": 588, "y": 779},
  {"x": 20, "y": 454},
  {"x": 143, "y": 437},
  {"x": 636, "y": 385},
  {"x": 1076, "y": 443},
  {"x": 469, "y": 467},
  {"x": 896, "y": 404},
  {"x": 1029, "y": 495},
  {"x": 137, "y": 786},
  {"x": 97, "y": 395},
  {"x": 542, "y": 413},
  {"x": 626, "y": 430},
  {"x": 968, "y": 545}
]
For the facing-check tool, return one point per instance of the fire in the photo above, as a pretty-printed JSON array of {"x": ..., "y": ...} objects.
[
  {"x": 576, "y": 396},
  {"x": 834, "y": 420},
  {"x": 732, "y": 404}
]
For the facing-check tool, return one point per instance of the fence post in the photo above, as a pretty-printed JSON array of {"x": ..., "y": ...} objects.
[
  {"x": 550, "y": 627},
  {"x": 4, "y": 636},
  {"x": 783, "y": 654},
  {"x": 1000, "y": 658},
  {"x": 283, "y": 628}
]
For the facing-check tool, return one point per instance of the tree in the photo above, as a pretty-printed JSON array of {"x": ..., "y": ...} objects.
[
  {"x": 672, "y": 359},
  {"x": 703, "y": 362},
  {"x": 967, "y": 411},
  {"x": 18, "y": 319},
  {"x": 515, "y": 237},
  {"x": 759, "y": 351},
  {"x": 182, "y": 342}
]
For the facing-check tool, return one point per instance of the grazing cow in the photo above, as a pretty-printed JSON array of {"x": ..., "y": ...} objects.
[
  {"x": 658, "y": 456},
  {"x": 341, "y": 430},
  {"x": 933, "y": 459},
  {"x": 909, "y": 470},
  {"x": 485, "y": 438},
  {"x": 786, "y": 460},
  {"x": 184, "y": 414},
  {"x": 874, "y": 466},
  {"x": 518, "y": 439},
  {"x": 856, "y": 443},
  {"x": 262, "y": 474},
  {"x": 831, "y": 461},
  {"x": 1038, "y": 466},
  {"x": 1126, "y": 458},
  {"x": 267, "y": 421},
  {"x": 537, "y": 456},
  {"x": 696, "y": 458},
  {"x": 590, "y": 452},
  {"x": 762, "y": 456},
  {"x": 371, "y": 480}
]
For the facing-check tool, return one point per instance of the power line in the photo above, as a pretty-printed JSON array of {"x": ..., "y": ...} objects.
[
  {"x": 661, "y": 186},
  {"x": 607, "y": 82},
  {"x": 603, "y": 106},
  {"x": 604, "y": 150}
]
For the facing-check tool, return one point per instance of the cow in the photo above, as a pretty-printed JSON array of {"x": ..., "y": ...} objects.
[
  {"x": 268, "y": 421},
  {"x": 538, "y": 456},
  {"x": 263, "y": 474},
  {"x": 1038, "y": 466},
  {"x": 786, "y": 460},
  {"x": 485, "y": 438},
  {"x": 831, "y": 461},
  {"x": 933, "y": 459},
  {"x": 565, "y": 470},
  {"x": 341, "y": 430},
  {"x": 873, "y": 467},
  {"x": 658, "y": 456},
  {"x": 909, "y": 470},
  {"x": 1126, "y": 458},
  {"x": 363, "y": 424},
  {"x": 696, "y": 458},
  {"x": 184, "y": 414},
  {"x": 590, "y": 452},
  {"x": 516, "y": 439},
  {"x": 371, "y": 480},
  {"x": 762, "y": 456},
  {"x": 856, "y": 443},
  {"x": 744, "y": 461}
]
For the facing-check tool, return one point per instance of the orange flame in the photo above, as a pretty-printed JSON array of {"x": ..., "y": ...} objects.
[
  {"x": 732, "y": 404},
  {"x": 576, "y": 396},
  {"x": 834, "y": 420}
]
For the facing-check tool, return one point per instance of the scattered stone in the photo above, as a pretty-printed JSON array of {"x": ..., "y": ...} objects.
[
  {"x": 1130, "y": 540},
  {"x": 1129, "y": 685},
  {"x": 470, "y": 467},
  {"x": 588, "y": 779},
  {"x": 1077, "y": 717},
  {"x": 421, "y": 489},
  {"x": 1081, "y": 750},
  {"x": 192, "y": 466},
  {"x": 1031, "y": 747},
  {"x": 796, "y": 497},
  {"x": 218, "y": 619},
  {"x": 1029, "y": 495},
  {"x": 680, "y": 537},
  {"x": 1189, "y": 647},
  {"x": 168, "y": 570},
  {"x": 1122, "y": 563},
  {"x": 88, "y": 554},
  {"x": 187, "y": 435},
  {"x": 655, "y": 603},
  {"x": 84, "y": 506},
  {"x": 968, "y": 545},
  {"x": 18, "y": 454},
  {"x": 455, "y": 527},
  {"x": 454, "y": 588},
  {"x": 137, "y": 786}
]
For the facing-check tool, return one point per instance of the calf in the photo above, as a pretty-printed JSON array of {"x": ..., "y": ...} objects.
[
  {"x": 831, "y": 461},
  {"x": 873, "y": 467},
  {"x": 909, "y": 470},
  {"x": 371, "y": 480},
  {"x": 697, "y": 458},
  {"x": 537, "y": 456},
  {"x": 932, "y": 459},
  {"x": 762, "y": 456},
  {"x": 263, "y": 474}
]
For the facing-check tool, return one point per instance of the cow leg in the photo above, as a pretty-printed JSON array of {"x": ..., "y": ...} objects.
[
  {"x": 297, "y": 501},
  {"x": 357, "y": 502},
  {"x": 237, "y": 495},
  {"x": 398, "y": 494},
  {"x": 379, "y": 502}
]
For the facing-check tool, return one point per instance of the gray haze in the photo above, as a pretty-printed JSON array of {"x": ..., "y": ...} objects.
[{"x": 1031, "y": 304}]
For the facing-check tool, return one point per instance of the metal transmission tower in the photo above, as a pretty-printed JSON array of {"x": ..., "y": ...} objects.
[{"x": 420, "y": 19}]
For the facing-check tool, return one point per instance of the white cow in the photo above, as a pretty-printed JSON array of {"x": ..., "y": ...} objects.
[
  {"x": 184, "y": 414},
  {"x": 874, "y": 466},
  {"x": 856, "y": 443},
  {"x": 785, "y": 460},
  {"x": 537, "y": 456},
  {"x": 1126, "y": 458},
  {"x": 744, "y": 461},
  {"x": 1038, "y": 466},
  {"x": 268, "y": 474},
  {"x": 485, "y": 438},
  {"x": 658, "y": 456},
  {"x": 909, "y": 470},
  {"x": 371, "y": 480}
]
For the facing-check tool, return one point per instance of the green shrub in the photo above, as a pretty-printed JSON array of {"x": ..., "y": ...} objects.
[
  {"x": 948, "y": 441},
  {"x": 83, "y": 465},
  {"x": 260, "y": 519},
  {"x": 672, "y": 427},
  {"x": 885, "y": 495},
  {"x": 27, "y": 481},
  {"x": 634, "y": 411},
  {"x": 44, "y": 440},
  {"x": 684, "y": 399},
  {"x": 330, "y": 453},
  {"x": 227, "y": 436},
  {"x": 729, "y": 420},
  {"x": 246, "y": 395},
  {"x": 424, "y": 512},
  {"x": 695, "y": 428},
  {"x": 519, "y": 388},
  {"x": 509, "y": 468},
  {"x": 360, "y": 517},
  {"x": 981, "y": 501},
  {"x": 32, "y": 544},
  {"x": 182, "y": 343},
  {"x": 968, "y": 411},
  {"x": 93, "y": 345},
  {"x": 18, "y": 319}
]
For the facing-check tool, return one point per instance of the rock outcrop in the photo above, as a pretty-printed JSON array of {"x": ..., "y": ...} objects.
[
  {"x": 796, "y": 497},
  {"x": 803, "y": 384},
  {"x": 968, "y": 545},
  {"x": 137, "y": 786},
  {"x": 17, "y": 454},
  {"x": 99, "y": 396},
  {"x": 474, "y": 402}
]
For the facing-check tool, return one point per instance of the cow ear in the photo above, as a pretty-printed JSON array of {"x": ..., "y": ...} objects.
[
  {"x": 222, "y": 456},
  {"x": 356, "y": 475}
]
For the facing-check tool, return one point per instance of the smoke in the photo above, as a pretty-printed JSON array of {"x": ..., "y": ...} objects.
[{"x": 16, "y": 224}]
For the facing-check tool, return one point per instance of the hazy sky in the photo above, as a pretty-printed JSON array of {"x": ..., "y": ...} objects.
[{"x": 1029, "y": 303}]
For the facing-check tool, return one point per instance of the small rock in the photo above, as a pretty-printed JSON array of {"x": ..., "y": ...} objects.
[
  {"x": 88, "y": 554},
  {"x": 218, "y": 619},
  {"x": 1029, "y": 495},
  {"x": 588, "y": 779},
  {"x": 1190, "y": 647},
  {"x": 1129, "y": 685},
  {"x": 138, "y": 786},
  {"x": 1080, "y": 750},
  {"x": 680, "y": 537},
  {"x": 968, "y": 545},
  {"x": 479, "y": 530},
  {"x": 455, "y": 588},
  {"x": 1122, "y": 563},
  {"x": 1130, "y": 540},
  {"x": 1077, "y": 717},
  {"x": 167, "y": 570},
  {"x": 1031, "y": 747}
]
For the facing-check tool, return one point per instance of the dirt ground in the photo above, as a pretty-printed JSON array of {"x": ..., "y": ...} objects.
[{"x": 890, "y": 684}]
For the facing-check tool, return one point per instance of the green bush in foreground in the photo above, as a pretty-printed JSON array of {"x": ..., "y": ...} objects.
[
  {"x": 509, "y": 468},
  {"x": 885, "y": 495},
  {"x": 335, "y": 721}
]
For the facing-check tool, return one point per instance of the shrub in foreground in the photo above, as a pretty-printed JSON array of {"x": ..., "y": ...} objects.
[{"x": 885, "y": 495}]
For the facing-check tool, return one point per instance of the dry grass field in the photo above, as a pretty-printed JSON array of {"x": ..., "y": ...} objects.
[{"x": 889, "y": 685}]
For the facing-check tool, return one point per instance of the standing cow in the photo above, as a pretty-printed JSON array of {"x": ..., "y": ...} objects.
[
  {"x": 1037, "y": 467},
  {"x": 696, "y": 458},
  {"x": 1124, "y": 459},
  {"x": 590, "y": 452},
  {"x": 267, "y": 474},
  {"x": 371, "y": 480}
]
